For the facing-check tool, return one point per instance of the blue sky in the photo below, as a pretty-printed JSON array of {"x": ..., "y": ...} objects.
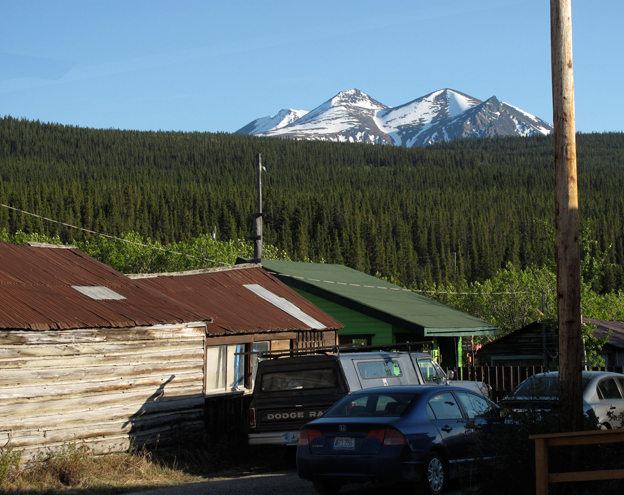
[{"x": 213, "y": 65}]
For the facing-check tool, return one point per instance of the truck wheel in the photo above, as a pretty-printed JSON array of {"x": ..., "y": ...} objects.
[
  {"x": 326, "y": 487},
  {"x": 435, "y": 477}
]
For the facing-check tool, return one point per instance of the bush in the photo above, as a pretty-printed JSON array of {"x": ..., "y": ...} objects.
[{"x": 9, "y": 464}]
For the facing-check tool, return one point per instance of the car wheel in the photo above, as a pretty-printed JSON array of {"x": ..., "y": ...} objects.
[
  {"x": 436, "y": 473},
  {"x": 326, "y": 487}
]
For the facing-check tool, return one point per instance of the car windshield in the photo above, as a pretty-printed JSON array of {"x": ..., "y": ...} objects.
[
  {"x": 540, "y": 386},
  {"x": 378, "y": 404}
]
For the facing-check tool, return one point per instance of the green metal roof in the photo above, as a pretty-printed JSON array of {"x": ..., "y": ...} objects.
[{"x": 380, "y": 299}]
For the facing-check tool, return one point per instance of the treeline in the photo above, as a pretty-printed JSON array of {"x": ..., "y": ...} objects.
[{"x": 448, "y": 213}]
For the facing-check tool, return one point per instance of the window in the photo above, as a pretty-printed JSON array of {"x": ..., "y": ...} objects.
[
  {"x": 475, "y": 406},
  {"x": 379, "y": 369},
  {"x": 431, "y": 372},
  {"x": 360, "y": 339},
  {"x": 299, "y": 380},
  {"x": 444, "y": 406},
  {"x": 609, "y": 389},
  {"x": 390, "y": 404},
  {"x": 225, "y": 368}
]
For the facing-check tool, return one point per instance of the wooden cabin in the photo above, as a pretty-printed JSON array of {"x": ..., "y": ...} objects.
[
  {"x": 538, "y": 345},
  {"x": 532, "y": 345},
  {"x": 92, "y": 357}
]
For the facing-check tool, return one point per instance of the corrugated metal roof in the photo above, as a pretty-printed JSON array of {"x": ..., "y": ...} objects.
[
  {"x": 235, "y": 308},
  {"x": 377, "y": 298},
  {"x": 37, "y": 293}
]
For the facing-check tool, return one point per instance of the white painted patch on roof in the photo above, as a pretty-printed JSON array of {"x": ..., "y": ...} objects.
[
  {"x": 285, "y": 305},
  {"x": 98, "y": 292}
]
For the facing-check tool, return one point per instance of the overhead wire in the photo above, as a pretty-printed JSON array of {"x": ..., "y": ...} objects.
[
  {"x": 112, "y": 237},
  {"x": 272, "y": 273}
]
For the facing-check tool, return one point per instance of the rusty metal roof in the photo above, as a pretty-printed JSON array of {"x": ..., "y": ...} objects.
[
  {"x": 45, "y": 288},
  {"x": 236, "y": 303}
]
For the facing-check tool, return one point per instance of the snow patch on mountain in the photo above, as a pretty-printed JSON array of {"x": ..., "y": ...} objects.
[{"x": 264, "y": 124}]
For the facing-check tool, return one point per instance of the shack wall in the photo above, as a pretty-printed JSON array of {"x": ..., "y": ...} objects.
[{"x": 107, "y": 389}]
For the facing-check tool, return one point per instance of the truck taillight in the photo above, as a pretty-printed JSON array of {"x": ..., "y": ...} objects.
[
  {"x": 252, "y": 418},
  {"x": 306, "y": 435}
]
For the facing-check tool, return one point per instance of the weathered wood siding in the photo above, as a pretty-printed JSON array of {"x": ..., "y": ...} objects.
[{"x": 107, "y": 388}]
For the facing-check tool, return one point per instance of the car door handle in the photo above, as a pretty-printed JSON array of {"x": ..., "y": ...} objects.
[
  {"x": 446, "y": 428},
  {"x": 612, "y": 408}
]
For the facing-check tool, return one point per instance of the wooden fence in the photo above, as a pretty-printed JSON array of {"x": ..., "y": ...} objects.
[{"x": 503, "y": 379}]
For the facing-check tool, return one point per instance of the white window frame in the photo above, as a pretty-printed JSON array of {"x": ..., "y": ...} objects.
[{"x": 222, "y": 374}]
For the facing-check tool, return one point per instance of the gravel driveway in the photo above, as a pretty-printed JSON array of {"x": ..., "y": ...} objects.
[{"x": 286, "y": 482}]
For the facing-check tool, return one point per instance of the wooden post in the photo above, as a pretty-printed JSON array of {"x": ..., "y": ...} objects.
[
  {"x": 566, "y": 213},
  {"x": 541, "y": 466}
]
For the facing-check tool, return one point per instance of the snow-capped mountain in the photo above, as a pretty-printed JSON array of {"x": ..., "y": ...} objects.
[
  {"x": 264, "y": 124},
  {"x": 443, "y": 115}
]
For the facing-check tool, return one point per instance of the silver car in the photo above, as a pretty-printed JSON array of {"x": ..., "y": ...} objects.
[{"x": 603, "y": 395}]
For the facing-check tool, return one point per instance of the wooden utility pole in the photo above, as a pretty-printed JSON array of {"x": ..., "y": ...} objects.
[
  {"x": 566, "y": 215},
  {"x": 257, "y": 217}
]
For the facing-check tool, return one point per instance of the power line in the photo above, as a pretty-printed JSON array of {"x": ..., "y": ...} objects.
[
  {"x": 399, "y": 289},
  {"x": 112, "y": 237}
]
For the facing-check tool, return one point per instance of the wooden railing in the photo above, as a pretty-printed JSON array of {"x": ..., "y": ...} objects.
[{"x": 542, "y": 442}]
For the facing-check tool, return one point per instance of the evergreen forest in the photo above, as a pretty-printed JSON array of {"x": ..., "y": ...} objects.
[{"x": 452, "y": 213}]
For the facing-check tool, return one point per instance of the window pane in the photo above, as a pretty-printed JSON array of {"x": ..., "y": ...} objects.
[
  {"x": 476, "y": 407},
  {"x": 429, "y": 371},
  {"x": 236, "y": 366},
  {"x": 547, "y": 386},
  {"x": 215, "y": 368},
  {"x": 374, "y": 404},
  {"x": 609, "y": 389},
  {"x": 299, "y": 380},
  {"x": 445, "y": 407},
  {"x": 379, "y": 369}
]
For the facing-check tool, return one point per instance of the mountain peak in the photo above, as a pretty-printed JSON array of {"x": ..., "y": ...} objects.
[
  {"x": 443, "y": 115},
  {"x": 356, "y": 98}
]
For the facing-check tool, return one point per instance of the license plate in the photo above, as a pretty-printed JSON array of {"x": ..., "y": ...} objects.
[
  {"x": 293, "y": 437},
  {"x": 344, "y": 443}
]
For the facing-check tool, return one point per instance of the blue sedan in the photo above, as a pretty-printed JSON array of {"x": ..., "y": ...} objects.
[{"x": 392, "y": 433}]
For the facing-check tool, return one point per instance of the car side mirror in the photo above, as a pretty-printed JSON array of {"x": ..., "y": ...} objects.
[{"x": 451, "y": 375}]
